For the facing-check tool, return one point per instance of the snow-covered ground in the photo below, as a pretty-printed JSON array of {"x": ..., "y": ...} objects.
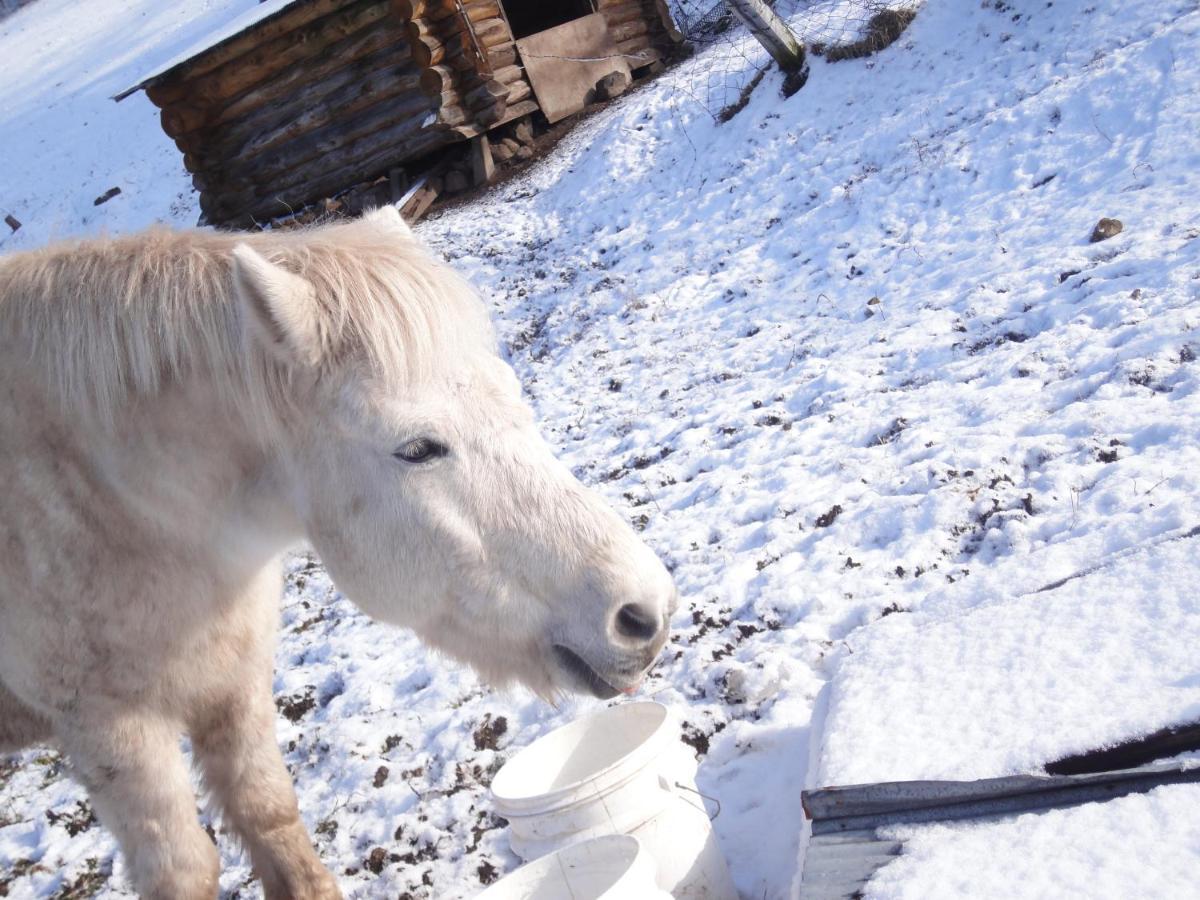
[{"x": 852, "y": 365}]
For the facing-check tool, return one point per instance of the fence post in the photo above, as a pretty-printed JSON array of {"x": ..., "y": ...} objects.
[{"x": 772, "y": 33}]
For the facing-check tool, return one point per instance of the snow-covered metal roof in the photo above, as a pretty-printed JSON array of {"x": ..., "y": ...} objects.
[
  {"x": 846, "y": 846},
  {"x": 227, "y": 32}
]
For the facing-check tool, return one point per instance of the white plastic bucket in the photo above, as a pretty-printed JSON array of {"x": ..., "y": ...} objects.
[
  {"x": 613, "y": 867},
  {"x": 621, "y": 770}
]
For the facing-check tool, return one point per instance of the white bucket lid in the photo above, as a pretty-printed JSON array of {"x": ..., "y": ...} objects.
[
  {"x": 573, "y": 762},
  {"x": 613, "y": 867}
]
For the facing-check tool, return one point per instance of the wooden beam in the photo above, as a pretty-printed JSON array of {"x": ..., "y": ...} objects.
[
  {"x": 483, "y": 167},
  {"x": 771, "y": 32}
]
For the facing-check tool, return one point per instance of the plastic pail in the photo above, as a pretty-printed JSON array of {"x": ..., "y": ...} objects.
[
  {"x": 613, "y": 867},
  {"x": 621, "y": 770}
]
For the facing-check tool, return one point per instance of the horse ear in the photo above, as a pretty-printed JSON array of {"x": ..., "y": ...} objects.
[
  {"x": 279, "y": 307},
  {"x": 387, "y": 216}
]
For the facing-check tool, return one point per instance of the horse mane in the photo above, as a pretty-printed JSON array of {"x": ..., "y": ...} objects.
[{"x": 112, "y": 319}]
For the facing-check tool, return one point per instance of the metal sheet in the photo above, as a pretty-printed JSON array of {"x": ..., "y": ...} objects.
[
  {"x": 564, "y": 63},
  {"x": 872, "y": 806}
]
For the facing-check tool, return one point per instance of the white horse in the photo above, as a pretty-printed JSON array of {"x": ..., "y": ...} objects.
[{"x": 177, "y": 409}]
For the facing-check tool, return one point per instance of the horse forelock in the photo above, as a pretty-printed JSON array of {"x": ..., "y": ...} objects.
[{"x": 108, "y": 320}]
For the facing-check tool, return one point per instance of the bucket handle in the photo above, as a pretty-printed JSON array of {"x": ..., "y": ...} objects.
[{"x": 701, "y": 807}]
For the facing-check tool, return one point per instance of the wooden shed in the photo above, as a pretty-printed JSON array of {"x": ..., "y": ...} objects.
[{"x": 300, "y": 99}]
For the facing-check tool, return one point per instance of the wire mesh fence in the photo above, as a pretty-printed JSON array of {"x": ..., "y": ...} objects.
[{"x": 730, "y": 62}]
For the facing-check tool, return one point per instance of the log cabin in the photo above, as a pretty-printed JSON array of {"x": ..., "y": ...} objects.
[{"x": 300, "y": 99}]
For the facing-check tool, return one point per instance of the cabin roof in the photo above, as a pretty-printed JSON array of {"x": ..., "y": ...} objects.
[{"x": 265, "y": 11}]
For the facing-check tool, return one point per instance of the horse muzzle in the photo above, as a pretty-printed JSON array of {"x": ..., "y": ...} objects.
[{"x": 605, "y": 682}]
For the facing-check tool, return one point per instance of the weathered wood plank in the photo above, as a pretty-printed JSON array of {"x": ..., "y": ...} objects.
[
  {"x": 483, "y": 167},
  {"x": 564, "y": 63},
  {"x": 771, "y": 32}
]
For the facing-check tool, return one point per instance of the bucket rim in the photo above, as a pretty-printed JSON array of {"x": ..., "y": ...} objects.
[
  {"x": 616, "y": 773},
  {"x": 627, "y": 850}
]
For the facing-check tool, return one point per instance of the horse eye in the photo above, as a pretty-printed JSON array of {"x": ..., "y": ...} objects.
[{"x": 421, "y": 450}]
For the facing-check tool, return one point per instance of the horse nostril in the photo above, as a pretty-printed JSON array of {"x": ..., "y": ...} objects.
[{"x": 638, "y": 622}]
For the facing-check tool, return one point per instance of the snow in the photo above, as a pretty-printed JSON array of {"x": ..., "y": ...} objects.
[
  {"x": 859, "y": 499},
  {"x": 248, "y": 19},
  {"x": 65, "y": 143},
  {"x": 1109, "y": 654},
  {"x": 1101, "y": 850}
]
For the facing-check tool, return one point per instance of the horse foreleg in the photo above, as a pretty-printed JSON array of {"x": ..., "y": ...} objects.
[
  {"x": 235, "y": 747},
  {"x": 20, "y": 726},
  {"x": 138, "y": 782}
]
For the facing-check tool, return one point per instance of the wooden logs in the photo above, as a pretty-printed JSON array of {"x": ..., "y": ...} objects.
[
  {"x": 512, "y": 79},
  {"x": 491, "y": 32},
  {"x": 399, "y": 119},
  {"x": 653, "y": 12},
  {"x": 266, "y": 60},
  {"x": 487, "y": 94},
  {"x": 423, "y": 9},
  {"x": 454, "y": 114},
  {"x": 372, "y": 48},
  {"x": 620, "y": 15},
  {"x": 429, "y": 50},
  {"x": 434, "y": 80},
  {"x": 511, "y": 112},
  {"x": 366, "y": 53},
  {"x": 628, "y": 30},
  {"x": 502, "y": 55},
  {"x": 396, "y": 86},
  {"x": 437, "y": 10},
  {"x": 635, "y": 45},
  {"x": 368, "y": 158},
  {"x": 328, "y": 93},
  {"x": 433, "y": 45},
  {"x": 290, "y": 19},
  {"x": 509, "y": 74},
  {"x": 181, "y": 118},
  {"x": 519, "y": 90}
]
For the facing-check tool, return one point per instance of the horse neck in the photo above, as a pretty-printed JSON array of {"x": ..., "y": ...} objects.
[{"x": 190, "y": 461}]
